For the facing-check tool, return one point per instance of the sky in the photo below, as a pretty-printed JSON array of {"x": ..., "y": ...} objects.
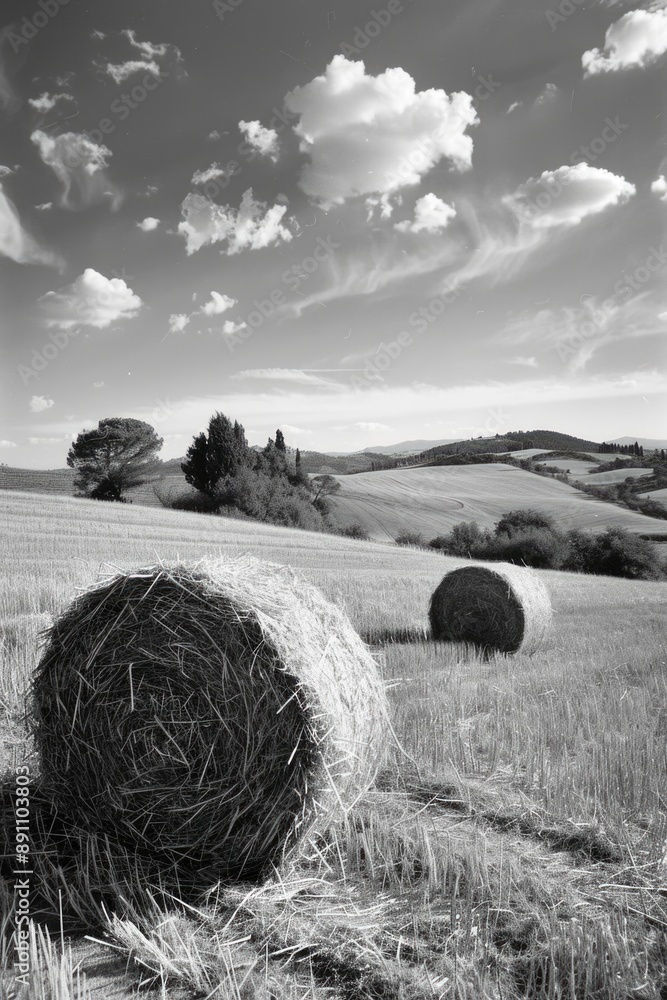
[{"x": 359, "y": 223}]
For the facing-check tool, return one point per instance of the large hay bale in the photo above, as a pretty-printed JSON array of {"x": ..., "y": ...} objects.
[
  {"x": 505, "y": 609},
  {"x": 206, "y": 714}
]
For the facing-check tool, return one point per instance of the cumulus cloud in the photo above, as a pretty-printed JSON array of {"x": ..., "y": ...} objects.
[
  {"x": 565, "y": 196},
  {"x": 659, "y": 187},
  {"x": 44, "y": 206},
  {"x": 530, "y": 362},
  {"x": 6, "y": 171},
  {"x": 252, "y": 227},
  {"x": 383, "y": 204},
  {"x": 262, "y": 140},
  {"x": 8, "y": 444},
  {"x": 151, "y": 58},
  {"x": 229, "y": 327},
  {"x": 16, "y": 243},
  {"x": 369, "y": 134},
  {"x": 98, "y": 385},
  {"x": 638, "y": 38},
  {"x": 148, "y": 224},
  {"x": 178, "y": 322},
  {"x": 80, "y": 165},
  {"x": 45, "y": 102},
  {"x": 39, "y": 403},
  {"x": 365, "y": 425},
  {"x": 91, "y": 300},
  {"x": 513, "y": 106},
  {"x": 432, "y": 215},
  {"x": 218, "y": 304}
]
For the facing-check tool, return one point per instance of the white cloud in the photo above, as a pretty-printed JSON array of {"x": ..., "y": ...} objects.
[
  {"x": 230, "y": 327},
  {"x": 638, "y": 38},
  {"x": 252, "y": 227},
  {"x": 16, "y": 243},
  {"x": 45, "y": 206},
  {"x": 565, "y": 196},
  {"x": 218, "y": 304},
  {"x": 291, "y": 429},
  {"x": 98, "y": 385},
  {"x": 80, "y": 165},
  {"x": 383, "y": 203},
  {"x": 212, "y": 173},
  {"x": 525, "y": 362},
  {"x": 262, "y": 140},
  {"x": 45, "y": 102},
  {"x": 294, "y": 375},
  {"x": 513, "y": 106},
  {"x": 178, "y": 322},
  {"x": 375, "y": 134},
  {"x": 659, "y": 187},
  {"x": 121, "y": 71},
  {"x": 39, "y": 403},
  {"x": 91, "y": 300},
  {"x": 6, "y": 171},
  {"x": 432, "y": 215},
  {"x": 364, "y": 425},
  {"x": 148, "y": 224},
  {"x": 46, "y": 440},
  {"x": 547, "y": 95},
  {"x": 148, "y": 63},
  {"x": 8, "y": 444}
]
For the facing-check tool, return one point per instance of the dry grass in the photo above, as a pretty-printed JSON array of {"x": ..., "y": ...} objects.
[
  {"x": 504, "y": 609},
  {"x": 517, "y": 852}
]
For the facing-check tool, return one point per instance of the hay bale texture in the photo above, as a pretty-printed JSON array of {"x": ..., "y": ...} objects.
[
  {"x": 206, "y": 714},
  {"x": 505, "y": 609}
]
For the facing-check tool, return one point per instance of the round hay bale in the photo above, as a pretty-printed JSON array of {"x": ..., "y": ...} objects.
[
  {"x": 207, "y": 714},
  {"x": 504, "y": 609}
]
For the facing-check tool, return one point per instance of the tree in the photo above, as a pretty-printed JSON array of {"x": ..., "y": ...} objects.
[
  {"x": 325, "y": 486},
  {"x": 118, "y": 454},
  {"x": 280, "y": 441},
  {"x": 516, "y": 521},
  {"x": 216, "y": 456}
]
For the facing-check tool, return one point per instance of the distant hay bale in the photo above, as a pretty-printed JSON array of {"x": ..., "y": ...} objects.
[
  {"x": 505, "y": 609},
  {"x": 206, "y": 714}
]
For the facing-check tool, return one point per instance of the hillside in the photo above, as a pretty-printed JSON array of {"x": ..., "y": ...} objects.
[
  {"x": 514, "y": 441},
  {"x": 521, "y": 829},
  {"x": 432, "y": 500}
]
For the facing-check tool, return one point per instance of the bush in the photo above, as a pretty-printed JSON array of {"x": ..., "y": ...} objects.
[
  {"x": 407, "y": 537},
  {"x": 615, "y": 552},
  {"x": 354, "y": 531},
  {"x": 466, "y": 539},
  {"x": 539, "y": 548},
  {"x": 517, "y": 521}
]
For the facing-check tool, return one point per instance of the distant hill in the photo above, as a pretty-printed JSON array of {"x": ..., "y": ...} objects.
[
  {"x": 407, "y": 447},
  {"x": 513, "y": 441},
  {"x": 432, "y": 500}
]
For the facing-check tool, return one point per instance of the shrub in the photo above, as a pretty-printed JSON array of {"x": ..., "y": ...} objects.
[
  {"x": 354, "y": 531},
  {"x": 615, "y": 552},
  {"x": 539, "y": 548},
  {"x": 407, "y": 537},
  {"x": 466, "y": 539},
  {"x": 516, "y": 521}
]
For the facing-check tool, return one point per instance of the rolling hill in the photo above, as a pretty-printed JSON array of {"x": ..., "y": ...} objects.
[{"x": 432, "y": 500}]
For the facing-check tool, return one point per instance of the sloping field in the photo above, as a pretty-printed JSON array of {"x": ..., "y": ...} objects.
[
  {"x": 523, "y": 831},
  {"x": 616, "y": 476},
  {"x": 577, "y": 466},
  {"x": 660, "y": 495},
  {"x": 60, "y": 482},
  {"x": 432, "y": 500}
]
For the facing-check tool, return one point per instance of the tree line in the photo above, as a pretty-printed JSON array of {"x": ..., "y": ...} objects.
[{"x": 226, "y": 474}]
